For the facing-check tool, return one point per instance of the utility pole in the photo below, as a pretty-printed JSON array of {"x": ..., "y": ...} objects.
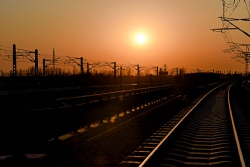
[
  {"x": 247, "y": 58},
  {"x": 138, "y": 70},
  {"x": 245, "y": 55},
  {"x": 87, "y": 68},
  {"x": 156, "y": 69},
  {"x": 36, "y": 62},
  {"x": 138, "y": 74},
  {"x": 120, "y": 76},
  {"x": 73, "y": 59},
  {"x": 45, "y": 66},
  {"x": 113, "y": 67},
  {"x": 81, "y": 65},
  {"x": 14, "y": 60},
  {"x": 53, "y": 61},
  {"x": 114, "y": 73},
  {"x": 25, "y": 54},
  {"x": 228, "y": 25}
]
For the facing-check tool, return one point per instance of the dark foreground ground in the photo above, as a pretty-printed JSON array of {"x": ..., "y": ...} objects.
[{"x": 111, "y": 148}]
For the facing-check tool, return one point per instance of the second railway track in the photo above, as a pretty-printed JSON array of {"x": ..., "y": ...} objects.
[{"x": 203, "y": 135}]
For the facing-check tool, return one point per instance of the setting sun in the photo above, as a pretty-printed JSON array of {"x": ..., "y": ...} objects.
[{"x": 140, "y": 38}]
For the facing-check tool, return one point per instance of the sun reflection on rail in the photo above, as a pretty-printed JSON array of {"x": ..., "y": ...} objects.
[{"x": 107, "y": 120}]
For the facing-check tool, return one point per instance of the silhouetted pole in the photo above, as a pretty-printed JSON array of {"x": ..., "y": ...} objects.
[
  {"x": 138, "y": 70},
  {"x": 138, "y": 73},
  {"x": 87, "y": 68},
  {"x": 157, "y": 71},
  {"x": 81, "y": 65},
  {"x": 44, "y": 73},
  {"x": 114, "y": 73},
  {"x": 247, "y": 54},
  {"x": 120, "y": 75},
  {"x": 53, "y": 61},
  {"x": 36, "y": 62},
  {"x": 14, "y": 60}
]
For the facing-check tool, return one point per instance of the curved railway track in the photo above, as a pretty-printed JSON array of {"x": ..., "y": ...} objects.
[{"x": 206, "y": 134}]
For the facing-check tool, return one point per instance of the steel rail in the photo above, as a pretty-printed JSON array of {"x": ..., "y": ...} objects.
[
  {"x": 116, "y": 92},
  {"x": 145, "y": 161},
  {"x": 242, "y": 161}
]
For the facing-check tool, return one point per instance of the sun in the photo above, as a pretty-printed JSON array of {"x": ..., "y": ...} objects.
[{"x": 140, "y": 38}]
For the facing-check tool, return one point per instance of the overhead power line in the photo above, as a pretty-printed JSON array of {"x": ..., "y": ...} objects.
[{"x": 238, "y": 50}]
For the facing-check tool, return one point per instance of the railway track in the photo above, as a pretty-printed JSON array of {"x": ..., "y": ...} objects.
[
  {"x": 73, "y": 145},
  {"x": 212, "y": 132}
]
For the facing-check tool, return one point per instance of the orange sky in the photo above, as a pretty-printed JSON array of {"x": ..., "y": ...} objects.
[{"x": 177, "y": 32}]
